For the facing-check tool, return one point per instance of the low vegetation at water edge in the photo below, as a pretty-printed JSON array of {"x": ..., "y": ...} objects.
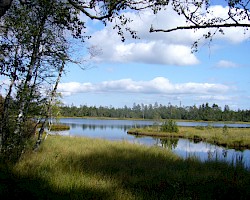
[
  {"x": 82, "y": 168},
  {"x": 238, "y": 138}
]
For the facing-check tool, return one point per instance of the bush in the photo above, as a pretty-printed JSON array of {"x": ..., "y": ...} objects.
[{"x": 170, "y": 126}]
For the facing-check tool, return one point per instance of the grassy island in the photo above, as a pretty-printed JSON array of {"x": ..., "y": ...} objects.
[
  {"x": 238, "y": 138},
  {"x": 83, "y": 168},
  {"x": 59, "y": 127}
]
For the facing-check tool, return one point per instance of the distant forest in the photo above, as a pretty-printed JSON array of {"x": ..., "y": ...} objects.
[{"x": 203, "y": 112}]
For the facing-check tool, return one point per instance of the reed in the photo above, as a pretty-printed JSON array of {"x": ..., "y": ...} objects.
[{"x": 82, "y": 168}]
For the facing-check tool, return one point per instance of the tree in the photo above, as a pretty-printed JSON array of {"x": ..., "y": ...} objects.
[{"x": 34, "y": 54}]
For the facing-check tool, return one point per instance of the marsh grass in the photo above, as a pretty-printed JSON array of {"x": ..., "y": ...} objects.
[
  {"x": 82, "y": 168},
  {"x": 238, "y": 138},
  {"x": 59, "y": 127}
]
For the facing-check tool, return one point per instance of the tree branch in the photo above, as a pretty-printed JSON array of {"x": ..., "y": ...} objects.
[
  {"x": 199, "y": 27},
  {"x": 83, "y": 10}
]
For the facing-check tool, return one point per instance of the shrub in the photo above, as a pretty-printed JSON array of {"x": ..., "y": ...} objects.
[{"x": 170, "y": 126}]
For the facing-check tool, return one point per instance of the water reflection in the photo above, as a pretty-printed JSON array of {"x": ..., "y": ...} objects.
[
  {"x": 168, "y": 143},
  {"x": 122, "y": 127},
  {"x": 204, "y": 151},
  {"x": 117, "y": 130}
]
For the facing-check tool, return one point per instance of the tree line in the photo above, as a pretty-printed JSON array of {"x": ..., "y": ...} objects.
[{"x": 203, "y": 112}]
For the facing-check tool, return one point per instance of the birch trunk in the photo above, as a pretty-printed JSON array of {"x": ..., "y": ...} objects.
[{"x": 49, "y": 107}]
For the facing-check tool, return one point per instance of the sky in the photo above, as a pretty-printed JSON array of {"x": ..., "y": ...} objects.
[{"x": 159, "y": 67}]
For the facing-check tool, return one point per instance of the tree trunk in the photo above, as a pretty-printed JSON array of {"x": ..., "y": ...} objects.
[{"x": 49, "y": 106}]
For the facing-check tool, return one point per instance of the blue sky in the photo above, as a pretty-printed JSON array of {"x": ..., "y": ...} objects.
[{"x": 159, "y": 67}]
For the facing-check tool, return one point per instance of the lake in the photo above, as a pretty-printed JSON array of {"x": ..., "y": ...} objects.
[{"x": 116, "y": 130}]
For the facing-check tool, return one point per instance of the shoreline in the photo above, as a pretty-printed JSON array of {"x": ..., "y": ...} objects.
[
  {"x": 155, "y": 120},
  {"x": 237, "y": 138}
]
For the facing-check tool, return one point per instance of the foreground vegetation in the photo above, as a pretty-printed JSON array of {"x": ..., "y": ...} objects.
[
  {"x": 238, "y": 138},
  {"x": 82, "y": 168}
]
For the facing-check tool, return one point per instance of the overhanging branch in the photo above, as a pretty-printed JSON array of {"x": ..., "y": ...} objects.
[
  {"x": 200, "y": 27},
  {"x": 83, "y": 10}
]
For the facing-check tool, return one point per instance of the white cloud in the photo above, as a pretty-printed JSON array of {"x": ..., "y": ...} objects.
[
  {"x": 158, "y": 48},
  {"x": 74, "y": 87},
  {"x": 4, "y": 82},
  {"x": 149, "y": 52},
  {"x": 226, "y": 64},
  {"x": 158, "y": 85},
  {"x": 194, "y": 147},
  {"x": 154, "y": 52},
  {"x": 215, "y": 98}
]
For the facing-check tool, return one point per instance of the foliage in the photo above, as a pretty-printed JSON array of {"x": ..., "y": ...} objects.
[
  {"x": 170, "y": 126},
  {"x": 15, "y": 146}
]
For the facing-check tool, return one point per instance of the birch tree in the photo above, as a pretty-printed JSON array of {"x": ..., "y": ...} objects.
[{"x": 40, "y": 55}]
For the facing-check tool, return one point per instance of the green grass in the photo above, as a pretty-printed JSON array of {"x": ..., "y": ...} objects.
[
  {"x": 238, "y": 138},
  {"x": 82, "y": 168}
]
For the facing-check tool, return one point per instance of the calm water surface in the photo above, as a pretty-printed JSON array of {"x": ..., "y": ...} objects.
[{"x": 116, "y": 130}]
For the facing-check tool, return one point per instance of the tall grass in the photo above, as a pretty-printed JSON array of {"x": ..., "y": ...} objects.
[{"x": 82, "y": 168}]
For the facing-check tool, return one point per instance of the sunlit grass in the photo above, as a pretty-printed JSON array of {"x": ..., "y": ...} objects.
[
  {"x": 82, "y": 168},
  {"x": 230, "y": 137}
]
